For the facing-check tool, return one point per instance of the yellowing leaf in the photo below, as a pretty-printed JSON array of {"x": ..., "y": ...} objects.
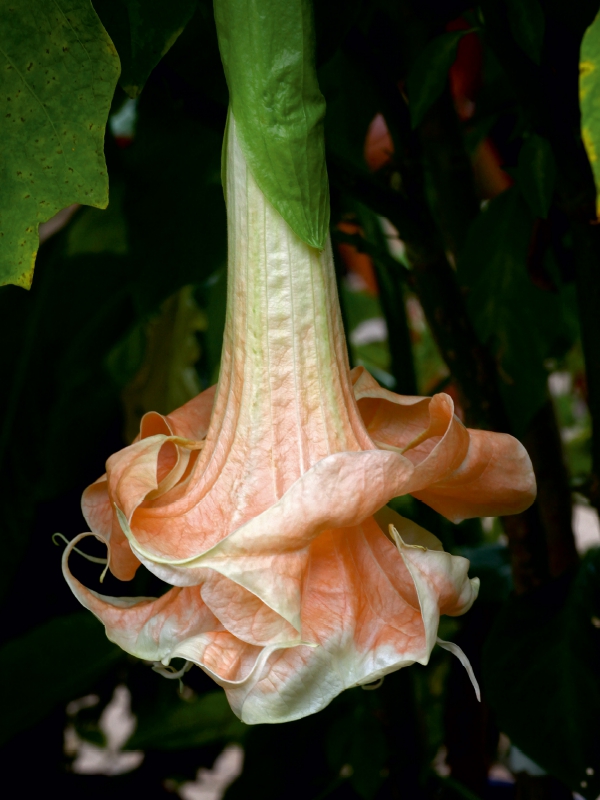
[{"x": 589, "y": 95}]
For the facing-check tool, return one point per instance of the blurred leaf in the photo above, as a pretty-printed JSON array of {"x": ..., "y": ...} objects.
[
  {"x": 175, "y": 723},
  {"x": 542, "y": 676},
  {"x": 429, "y": 73},
  {"x": 51, "y": 665},
  {"x": 143, "y": 31},
  {"x": 537, "y": 174},
  {"x": 173, "y": 202},
  {"x": 194, "y": 69},
  {"x": 93, "y": 303},
  {"x": 352, "y": 103},
  {"x": 527, "y": 24},
  {"x": 273, "y": 754},
  {"x": 523, "y": 324},
  {"x": 356, "y": 745},
  {"x": 57, "y": 388},
  {"x": 211, "y": 296},
  {"x": 166, "y": 378},
  {"x": 333, "y": 20},
  {"x": 491, "y": 564},
  {"x": 96, "y": 230},
  {"x": 343, "y": 751},
  {"x": 589, "y": 95},
  {"x": 268, "y": 51},
  {"x": 60, "y": 73}
]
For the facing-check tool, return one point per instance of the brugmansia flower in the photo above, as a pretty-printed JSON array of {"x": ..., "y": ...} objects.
[{"x": 263, "y": 500}]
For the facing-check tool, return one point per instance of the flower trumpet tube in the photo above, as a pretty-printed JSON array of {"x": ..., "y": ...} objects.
[{"x": 263, "y": 500}]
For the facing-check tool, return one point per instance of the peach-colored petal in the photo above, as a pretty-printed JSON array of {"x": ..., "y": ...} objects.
[
  {"x": 147, "y": 627},
  {"x": 459, "y": 472},
  {"x": 495, "y": 479},
  {"x": 243, "y": 614},
  {"x": 188, "y": 422},
  {"x": 340, "y": 490},
  {"x": 100, "y": 516},
  {"x": 147, "y": 469},
  {"x": 365, "y": 612},
  {"x": 180, "y": 624},
  {"x": 409, "y": 531},
  {"x": 191, "y": 421},
  {"x": 263, "y": 500},
  {"x": 361, "y": 605}
]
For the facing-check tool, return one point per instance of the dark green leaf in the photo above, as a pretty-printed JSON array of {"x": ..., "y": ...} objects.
[
  {"x": 351, "y": 105},
  {"x": 537, "y": 174},
  {"x": 333, "y": 20},
  {"x": 274, "y": 753},
  {"x": 174, "y": 187},
  {"x": 52, "y": 664},
  {"x": 542, "y": 676},
  {"x": 143, "y": 31},
  {"x": 428, "y": 74},
  {"x": 523, "y": 324},
  {"x": 527, "y": 24},
  {"x": 268, "y": 52},
  {"x": 491, "y": 564},
  {"x": 60, "y": 69},
  {"x": 356, "y": 740},
  {"x": 176, "y": 724},
  {"x": 57, "y": 337},
  {"x": 346, "y": 750}
]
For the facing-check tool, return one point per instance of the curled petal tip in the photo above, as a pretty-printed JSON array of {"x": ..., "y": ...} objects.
[{"x": 456, "y": 651}]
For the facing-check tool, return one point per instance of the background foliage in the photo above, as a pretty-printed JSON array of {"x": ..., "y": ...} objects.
[{"x": 463, "y": 212}]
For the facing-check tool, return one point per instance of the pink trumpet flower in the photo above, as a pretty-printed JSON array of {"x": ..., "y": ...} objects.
[{"x": 263, "y": 500}]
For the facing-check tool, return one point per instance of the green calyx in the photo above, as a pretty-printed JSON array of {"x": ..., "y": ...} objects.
[{"x": 267, "y": 48}]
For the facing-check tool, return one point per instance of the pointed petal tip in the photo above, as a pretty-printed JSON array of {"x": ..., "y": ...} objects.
[{"x": 456, "y": 651}]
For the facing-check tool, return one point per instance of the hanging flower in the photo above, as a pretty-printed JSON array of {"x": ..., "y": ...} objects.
[{"x": 263, "y": 500}]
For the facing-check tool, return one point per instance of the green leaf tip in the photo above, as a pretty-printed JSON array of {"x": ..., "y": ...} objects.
[
  {"x": 60, "y": 72},
  {"x": 527, "y": 23},
  {"x": 143, "y": 32},
  {"x": 537, "y": 174},
  {"x": 268, "y": 52}
]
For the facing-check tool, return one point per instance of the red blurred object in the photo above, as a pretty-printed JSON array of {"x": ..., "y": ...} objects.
[
  {"x": 465, "y": 74},
  {"x": 123, "y": 142},
  {"x": 465, "y": 79},
  {"x": 490, "y": 178},
  {"x": 360, "y": 264},
  {"x": 452, "y": 389},
  {"x": 379, "y": 147}
]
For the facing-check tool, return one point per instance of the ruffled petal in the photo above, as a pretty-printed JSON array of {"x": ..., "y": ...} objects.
[
  {"x": 368, "y": 610},
  {"x": 243, "y": 614},
  {"x": 191, "y": 420},
  {"x": 180, "y": 624},
  {"x": 459, "y": 472},
  {"x": 99, "y": 514},
  {"x": 341, "y": 490},
  {"x": 143, "y": 471},
  {"x": 495, "y": 479},
  {"x": 147, "y": 627},
  {"x": 147, "y": 469},
  {"x": 159, "y": 471}
]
